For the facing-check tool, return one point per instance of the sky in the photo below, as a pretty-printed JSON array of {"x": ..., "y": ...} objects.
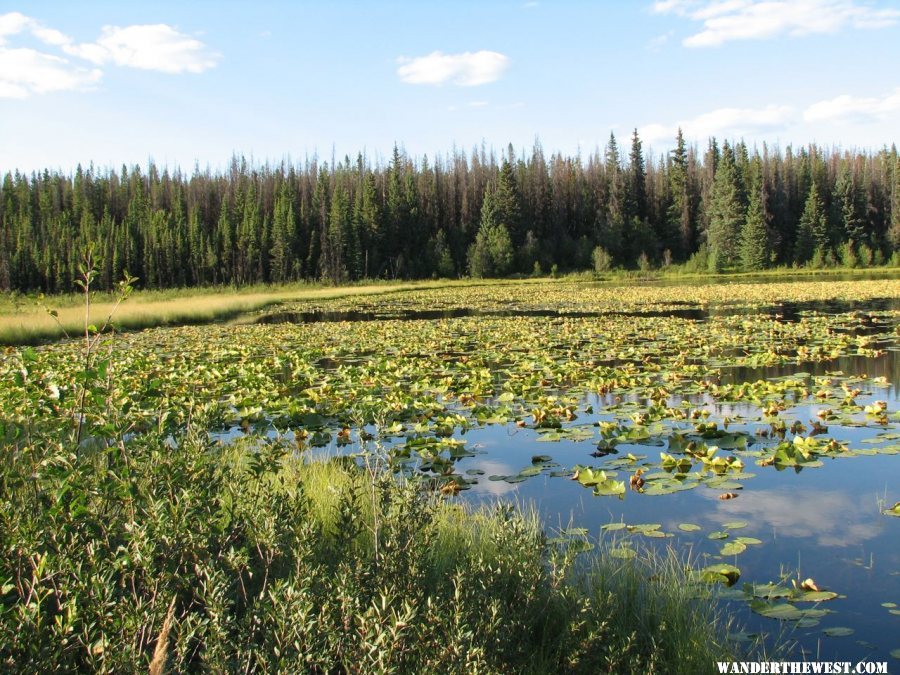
[{"x": 193, "y": 83}]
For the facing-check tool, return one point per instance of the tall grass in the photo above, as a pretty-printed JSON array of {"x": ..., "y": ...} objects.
[{"x": 281, "y": 564}]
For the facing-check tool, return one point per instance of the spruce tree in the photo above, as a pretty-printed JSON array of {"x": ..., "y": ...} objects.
[
  {"x": 812, "y": 232},
  {"x": 726, "y": 214},
  {"x": 754, "y": 250}
]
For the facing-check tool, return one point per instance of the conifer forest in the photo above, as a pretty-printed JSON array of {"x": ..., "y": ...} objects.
[{"x": 722, "y": 207}]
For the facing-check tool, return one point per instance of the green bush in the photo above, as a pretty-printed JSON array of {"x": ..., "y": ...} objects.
[{"x": 258, "y": 560}]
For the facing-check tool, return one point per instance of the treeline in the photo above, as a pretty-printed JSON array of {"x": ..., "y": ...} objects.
[{"x": 729, "y": 207}]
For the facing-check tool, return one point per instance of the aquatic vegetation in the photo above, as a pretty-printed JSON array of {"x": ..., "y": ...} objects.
[{"x": 643, "y": 395}]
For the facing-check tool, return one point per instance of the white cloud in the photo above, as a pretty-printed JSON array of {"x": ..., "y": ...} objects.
[
  {"x": 468, "y": 69},
  {"x": 724, "y": 123},
  {"x": 26, "y": 71},
  {"x": 847, "y": 108},
  {"x": 726, "y": 20},
  {"x": 148, "y": 47}
]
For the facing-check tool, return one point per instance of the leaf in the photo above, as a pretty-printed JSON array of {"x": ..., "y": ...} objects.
[
  {"x": 717, "y": 535},
  {"x": 688, "y": 527},
  {"x": 782, "y": 612},
  {"x": 735, "y": 525},
  {"x": 893, "y": 511},
  {"x": 623, "y": 552},
  {"x": 813, "y": 596},
  {"x": 721, "y": 573},
  {"x": 733, "y": 548},
  {"x": 838, "y": 631}
]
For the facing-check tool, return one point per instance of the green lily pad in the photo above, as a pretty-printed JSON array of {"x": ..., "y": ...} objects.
[
  {"x": 721, "y": 573},
  {"x": 688, "y": 527},
  {"x": 748, "y": 541},
  {"x": 813, "y": 596},
  {"x": 717, "y": 535},
  {"x": 735, "y": 525},
  {"x": 612, "y": 527},
  {"x": 893, "y": 511},
  {"x": 623, "y": 552},
  {"x": 733, "y": 548},
  {"x": 838, "y": 631},
  {"x": 782, "y": 611}
]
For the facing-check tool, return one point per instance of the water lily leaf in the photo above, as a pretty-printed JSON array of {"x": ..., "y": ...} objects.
[
  {"x": 813, "y": 596},
  {"x": 768, "y": 591},
  {"x": 748, "y": 541},
  {"x": 733, "y": 548},
  {"x": 893, "y": 511},
  {"x": 717, "y": 535},
  {"x": 838, "y": 631},
  {"x": 889, "y": 605},
  {"x": 623, "y": 552},
  {"x": 688, "y": 527},
  {"x": 721, "y": 573},
  {"x": 782, "y": 612},
  {"x": 895, "y": 653},
  {"x": 610, "y": 488},
  {"x": 612, "y": 527}
]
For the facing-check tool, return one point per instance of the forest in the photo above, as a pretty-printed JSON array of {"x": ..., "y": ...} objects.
[{"x": 726, "y": 207}]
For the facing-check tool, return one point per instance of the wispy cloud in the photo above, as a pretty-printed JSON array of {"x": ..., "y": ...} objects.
[
  {"x": 26, "y": 71},
  {"x": 467, "y": 69},
  {"x": 724, "y": 122},
  {"x": 657, "y": 43},
  {"x": 727, "y": 20},
  {"x": 847, "y": 108}
]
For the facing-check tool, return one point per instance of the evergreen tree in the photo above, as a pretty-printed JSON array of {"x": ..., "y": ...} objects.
[
  {"x": 726, "y": 215},
  {"x": 754, "y": 250},
  {"x": 492, "y": 252},
  {"x": 850, "y": 209},
  {"x": 812, "y": 233}
]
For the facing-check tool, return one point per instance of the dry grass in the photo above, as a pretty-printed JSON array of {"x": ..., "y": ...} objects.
[
  {"x": 23, "y": 321},
  {"x": 31, "y": 324}
]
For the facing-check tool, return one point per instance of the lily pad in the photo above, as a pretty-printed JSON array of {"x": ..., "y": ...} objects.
[
  {"x": 838, "y": 631},
  {"x": 688, "y": 527},
  {"x": 733, "y": 548}
]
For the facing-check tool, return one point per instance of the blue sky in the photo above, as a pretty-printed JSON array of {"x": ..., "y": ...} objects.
[{"x": 185, "y": 82}]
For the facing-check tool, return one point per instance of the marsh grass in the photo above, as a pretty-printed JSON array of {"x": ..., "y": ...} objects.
[
  {"x": 280, "y": 563},
  {"x": 24, "y": 320}
]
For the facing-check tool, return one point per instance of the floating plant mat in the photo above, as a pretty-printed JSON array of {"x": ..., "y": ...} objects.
[{"x": 760, "y": 434}]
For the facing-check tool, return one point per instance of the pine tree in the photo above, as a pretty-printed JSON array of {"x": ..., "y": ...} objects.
[
  {"x": 850, "y": 209},
  {"x": 812, "y": 232},
  {"x": 679, "y": 214},
  {"x": 894, "y": 230},
  {"x": 726, "y": 214},
  {"x": 755, "y": 245}
]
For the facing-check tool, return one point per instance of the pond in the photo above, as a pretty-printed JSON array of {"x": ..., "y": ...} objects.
[
  {"x": 751, "y": 427},
  {"x": 807, "y": 453}
]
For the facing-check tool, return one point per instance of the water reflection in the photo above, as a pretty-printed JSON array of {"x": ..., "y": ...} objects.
[{"x": 832, "y": 519}]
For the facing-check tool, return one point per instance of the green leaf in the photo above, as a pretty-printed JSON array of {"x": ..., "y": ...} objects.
[
  {"x": 735, "y": 525},
  {"x": 688, "y": 527},
  {"x": 782, "y": 612},
  {"x": 838, "y": 631},
  {"x": 733, "y": 548}
]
